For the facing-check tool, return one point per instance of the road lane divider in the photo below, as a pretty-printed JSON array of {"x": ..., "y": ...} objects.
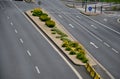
[
  {"x": 94, "y": 44},
  {"x": 16, "y": 31},
  {"x": 106, "y": 44},
  {"x": 60, "y": 16},
  {"x": 8, "y": 17},
  {"x": 71, "y": 25},
  {"x": 37, "y": 69},
  {"x": 115, "y": 50},
  {"x": 28, "y": 52},
  {"x": 94, "y": 26},
  {"x": 11, "y": 24},
  {"x": 21, "y": 40}
]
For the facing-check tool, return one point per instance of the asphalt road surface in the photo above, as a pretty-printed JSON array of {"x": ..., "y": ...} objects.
[
  {"x": 24, "y": 52},
  {"x": 100, "y": 40}
]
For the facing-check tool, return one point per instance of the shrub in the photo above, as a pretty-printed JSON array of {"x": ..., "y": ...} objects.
[
  {"x": 37, "y": 12},
  {"x": 82, "y": 51},
  {"x": 72, "y": 52},
  {"x": 78, "y": 48},
  {"x": 50, "y": 23},
  {"x": 64, "y": 39},
  {"x": 44, "y": 18},
  {"x": 68, "y": 48},
  {"x": 84, "y": 60},
  {"x": 80, "y": 56},
  {"x": 74, "y": 44},
  {"x": 53, "y": 32}
]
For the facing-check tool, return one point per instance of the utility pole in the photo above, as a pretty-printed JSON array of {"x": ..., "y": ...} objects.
[{"x": 85, "y": 5}]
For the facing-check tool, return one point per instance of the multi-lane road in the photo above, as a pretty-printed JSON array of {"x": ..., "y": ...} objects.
[
  {"x": 26, "y": 53},
  {"x": 101, "y": 40}
]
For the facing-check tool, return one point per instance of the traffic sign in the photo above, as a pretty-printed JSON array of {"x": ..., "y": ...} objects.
[{"x": 90, "y": 8}]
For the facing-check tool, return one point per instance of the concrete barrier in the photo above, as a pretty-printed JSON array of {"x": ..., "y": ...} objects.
[{"x": 92, "y": 71}]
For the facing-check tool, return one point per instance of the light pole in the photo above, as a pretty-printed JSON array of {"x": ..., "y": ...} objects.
[{"x": 85, "y": 5}]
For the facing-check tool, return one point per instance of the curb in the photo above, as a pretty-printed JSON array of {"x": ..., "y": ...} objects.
[{"x": 51, "y": 40}]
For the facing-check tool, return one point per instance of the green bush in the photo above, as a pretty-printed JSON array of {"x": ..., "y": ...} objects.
[
  {"x": 65, "y": 39},
  {"x": 74, "y": 44},
  {"x": 37, "y": 12},
  {"x": 72, "y": 52},
  {"x": 59, "y": 32},
  {"x": 68, "y": 48},
  {"x": 80, "y": 56},
  {"x": 78, "y": 48},
  {"x": 44, "y": 18},
  {"x": 84, "y": 60},
  {"x": 50, "y": 23},
  {"x": 53, "y": 32}
]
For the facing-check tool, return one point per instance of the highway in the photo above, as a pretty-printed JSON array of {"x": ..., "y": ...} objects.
[
  {"x": 26, "y": 53},
  {"x": 101, "y": 40}
]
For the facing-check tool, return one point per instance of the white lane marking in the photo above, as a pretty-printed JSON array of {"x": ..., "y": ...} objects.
[
  {"x": 71, "y": 25},
  {"x": 16, "y": 31},
  {"x": 74, "y": 70},
  {"x": 21, "y": 40},
  {"x": 8, "y": 17},
  {"x": 94, "y": 26},
  {"x": 93, "y": 44},
  {"x": 60, "y": 16},
  {"x": 105, "y": 19},
  {"x": 78, "y": 17},
  {"x": 38, "y": 71},
  {"x": 106, "y": 44},
  {"x": 115, "y": 50},
  {"x": 103, "y": 25},
  {"x": 28, "y": 52},
  {"x": 11, "y": 23}
]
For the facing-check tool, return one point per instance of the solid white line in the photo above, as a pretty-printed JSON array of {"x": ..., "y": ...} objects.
[
  {"x": 115, "y": 50},
  {"x": 74, "y": 70},
  {"x": 60, "y": 16},
  {"x": 38, "y": 71},
  {"x": 28, "y": 52},
  {"x": 11, "y": 23},
  {"x": 106, "y": 44},
  {"x": 21, "y": 40},
  {"x": 16, "y": 31},
  {"x": 71, "y": 25},
  {"x": 93, "y": 44}
]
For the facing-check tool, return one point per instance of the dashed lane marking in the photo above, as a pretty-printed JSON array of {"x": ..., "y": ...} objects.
[
  {"x": 28, "y": 52},
  {"x": 106, "y": 44},
  {"x": 38, "y": 71},
  {"x": 115, "y": 50},
  {"x": 16, "y": 31},
  {"x": 93, "y": 44},
  {"x": 11, "y": 24},
  {"x": 60, "y": 16},
  {"x": 71, "y": 25},
  {"x": 21, "y": 40}
]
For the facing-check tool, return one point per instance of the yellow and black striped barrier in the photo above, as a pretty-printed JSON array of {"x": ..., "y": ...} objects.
[{"x": 92, "y": 71}]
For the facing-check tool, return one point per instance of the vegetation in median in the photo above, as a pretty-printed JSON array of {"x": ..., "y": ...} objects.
[{"x": 73, "y": 47}]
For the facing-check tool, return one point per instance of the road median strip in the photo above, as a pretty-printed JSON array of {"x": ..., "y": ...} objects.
[{"x": 72, "y": 49}]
